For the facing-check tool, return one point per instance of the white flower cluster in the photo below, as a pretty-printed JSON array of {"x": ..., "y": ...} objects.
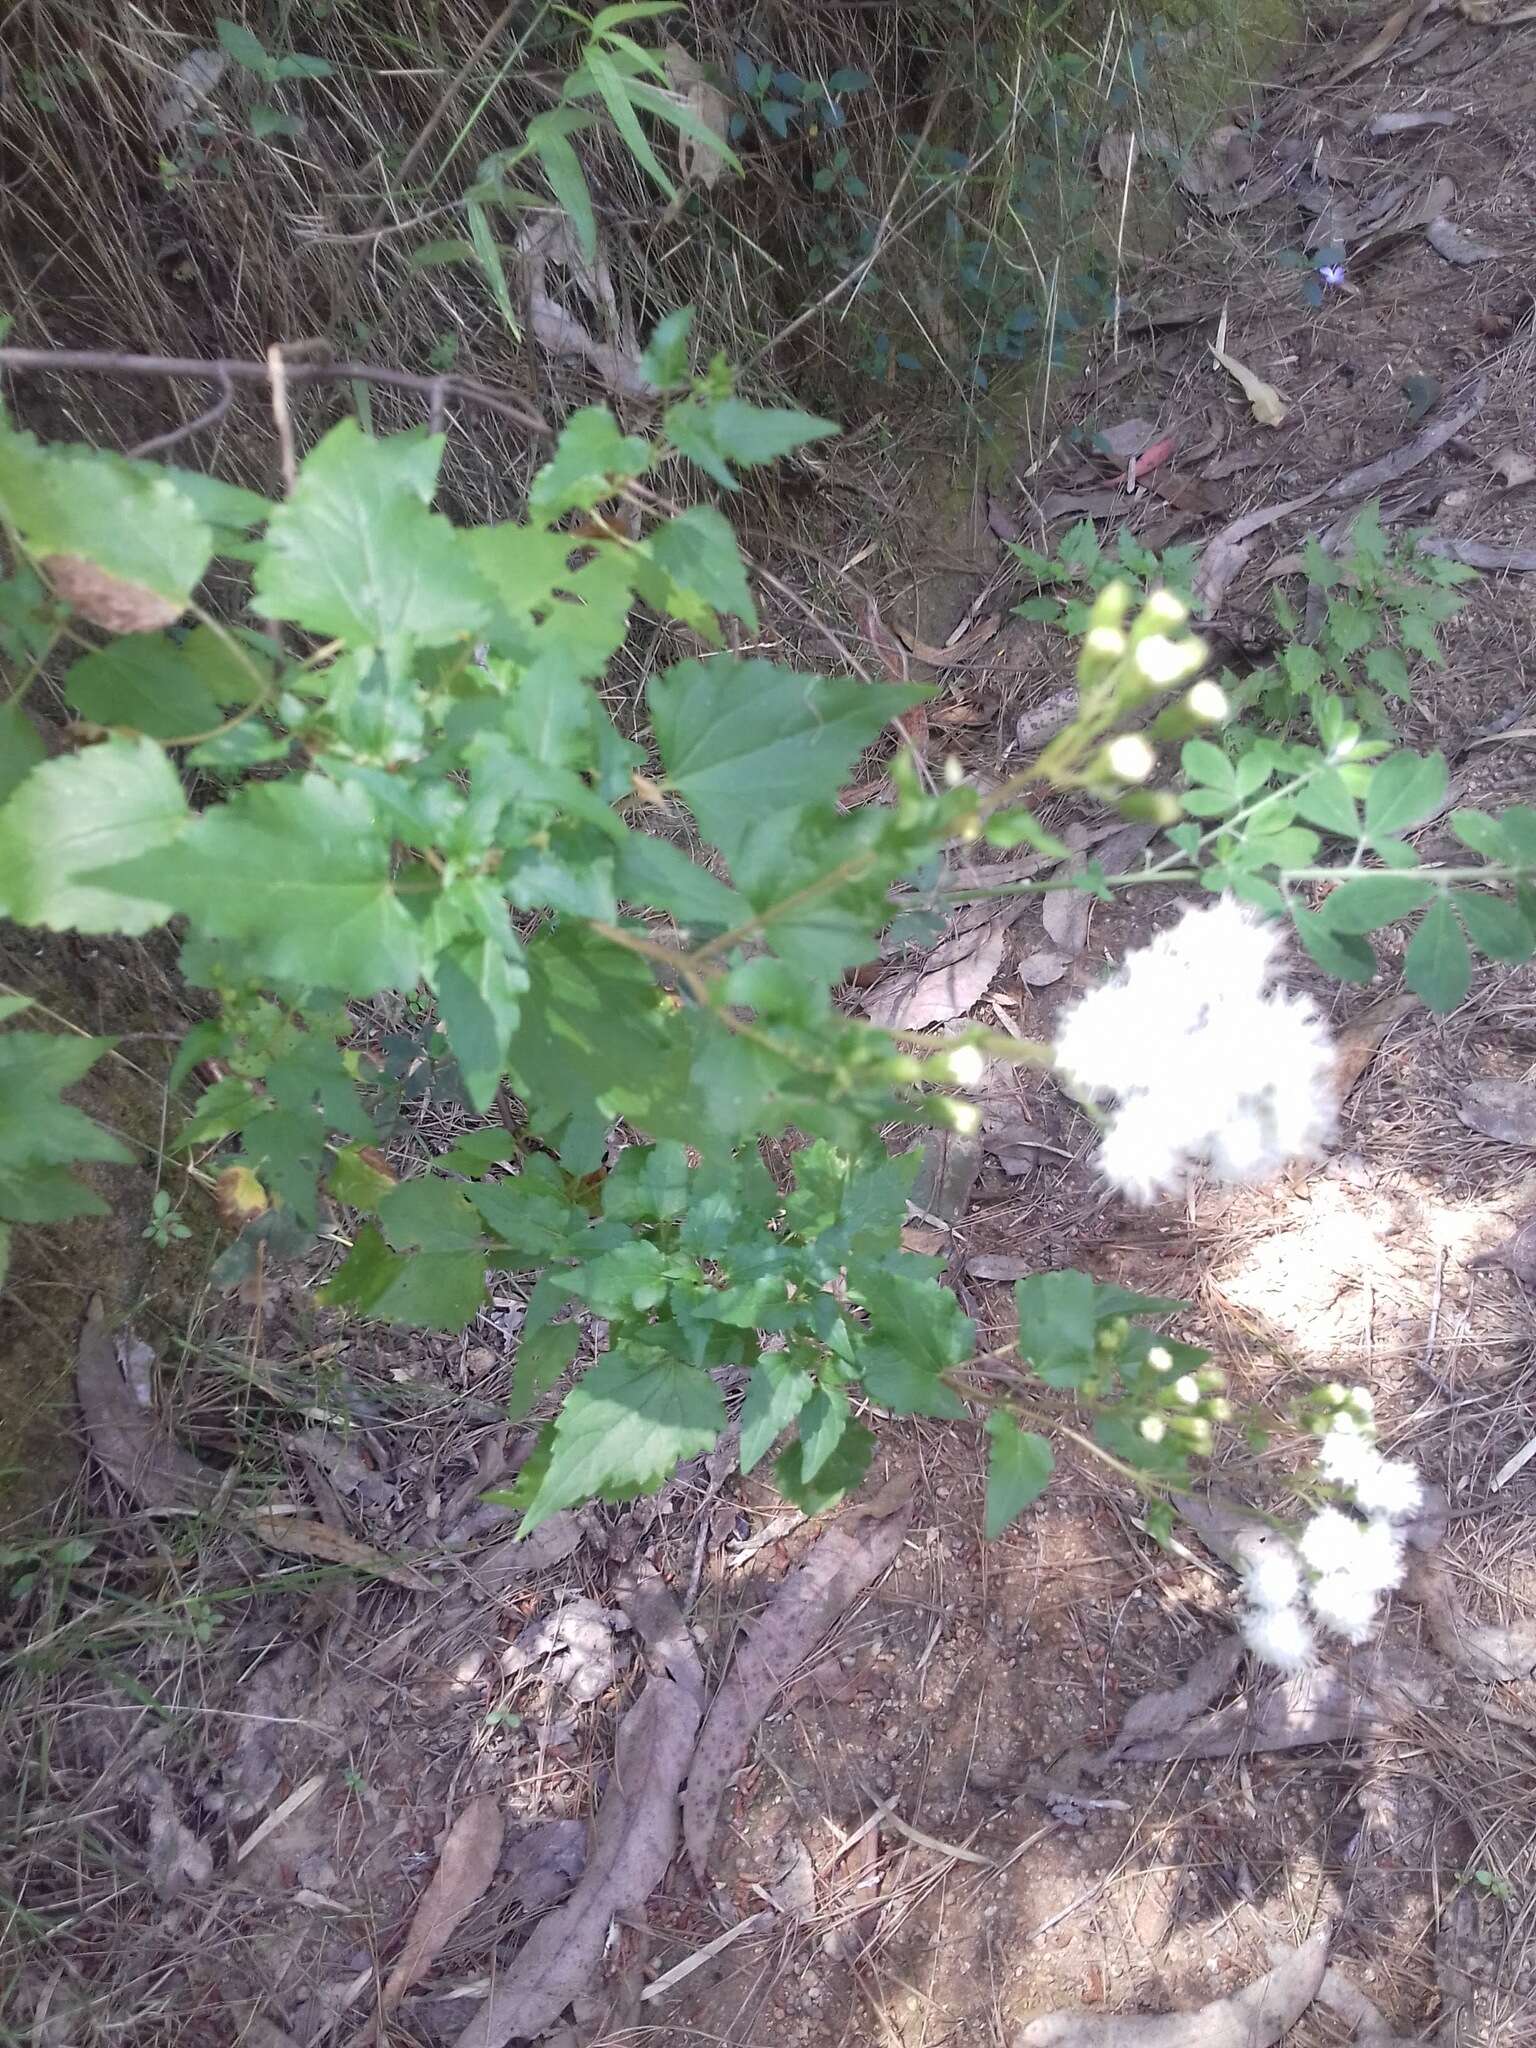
[
  {"x": 1340, "y": 1565},
  {"x": 1207, "y": 1064}
]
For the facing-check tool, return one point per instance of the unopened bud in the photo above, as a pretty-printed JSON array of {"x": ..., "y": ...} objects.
[
  {"x": 963, "y": 1117},
  {"x": 1103, "y": 649},
  {"x": 1150, "y": 807},
  {"x": 966, "y": 1065},
  {"x": 1110, "y": 606},
  {"x": 1153, "y": 1428},
  {"x": 1164, "y": 662},
  {"x": 1129, "y": 758},
  {"x": 1207, "y": 702},
  {"x": 954, "y": 772},
  {"x": 1187, "y": 1389},
  {"x": 1160, "y": 1358},
  {"x": 1162, "y": 609}
]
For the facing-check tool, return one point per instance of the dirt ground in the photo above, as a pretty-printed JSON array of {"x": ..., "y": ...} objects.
[{"x": 235, "y": 1770}]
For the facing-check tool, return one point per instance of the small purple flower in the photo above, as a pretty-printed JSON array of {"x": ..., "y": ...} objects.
[{"x": 1331, "y": 274}]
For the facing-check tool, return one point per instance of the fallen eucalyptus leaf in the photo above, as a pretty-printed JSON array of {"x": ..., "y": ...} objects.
[
  {"x": 464, "y": 1869},
  {"x": 541, "y": 1864},
  {"x": 177, "y": 1860},
  {"x": 301, "y": 1536},
  {"x": 1255, "y": 2017},
  {"x": 1505, "y": 1110},
  {"x": 999, "y": 1266},
  {"x": 1267, "y": 405},
  {"x": 1456, "y": 245},
  {"x": 1408, "y": 124},
  {"x": 849, "y": 1557},
  {"x": 129, "y": 1440},
  {"x": 1171, "y": 1712},
  {"x": 1223, "y": 159},
  {"x": 633, "y": 1843},
  {"x": 956, "y": 974}
]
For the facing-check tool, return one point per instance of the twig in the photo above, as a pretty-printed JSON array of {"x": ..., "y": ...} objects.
[
  {"x": 238, "y": 370},
  {"x": 157, "y": 443},
  {"x": 277, "y": 373}
]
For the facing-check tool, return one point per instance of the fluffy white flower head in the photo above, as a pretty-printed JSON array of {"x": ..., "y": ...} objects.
[
  {"x": 1272, "y": 1577},
  {"x": 1208, "y": 1064},
  {"x": 1343, "y": 1605},
  {"x": 1281, "y": 1636},
  {"x": 1386, "y": 1487}
]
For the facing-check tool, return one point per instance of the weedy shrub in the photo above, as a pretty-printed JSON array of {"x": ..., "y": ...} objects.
[{"x": 406, "y": 783}]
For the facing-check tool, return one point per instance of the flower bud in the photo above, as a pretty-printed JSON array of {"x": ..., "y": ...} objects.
[
  {"x": 1111, "y": 605},
  {"x": 1160, "y": 1358},
  {"x": 963, "y": 1117},
  {"x": 1150, "y": 807},
  {"x": 1128, "y": 758},
  {"x": 1187, "y": 1389},
  {"x": 966, "y": 1065},
  {"x": 1164, "y": 662},
  {"x": 1207, "y": 702},
  {"x": 1102, "y": 651},
  {"x": 953, "y": 771},
  {"x": 1153, "y": 1428}
]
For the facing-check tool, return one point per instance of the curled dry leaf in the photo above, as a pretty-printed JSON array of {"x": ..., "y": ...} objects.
[
  {"x": 177, "y": 1860},
  {"x": 129, "y": 1440},
  {"x": 957, "y": 973},
  {"x": 300, "y": 1536},
  {"x": 1358, "y": 1044},
  {"x": 700, "y": 165},
  {"x": 577, "y": 1640},
  {"x": 1255, "y": 2017},
  {"x": 1000, "y": 1266},
  {"x": 633, "y": 1842},
  {"x": 1505, "y": 1110},
  {"x": 1065, "y": 912},
  {"x": 1159, "y": 1714},
  {"x": 1223, "y": 160},
  {"x": 465, "y": 1868},
  {"x": 1267, "y": 405},
  {"x": 191, "y": 82},
  {"x": 1514, "y": 467},
  {"x": 1042, "y": 969},
  {"x": 1456, "y": 245},
  {"x": 950, "y": 1169},
  {"x": 107, "y": 601},
  {"x": 849, "y": 1558}
]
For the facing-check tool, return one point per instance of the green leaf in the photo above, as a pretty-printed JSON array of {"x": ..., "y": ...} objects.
[
  {"x": 269, "y": 121},
  {"x": 1438, "y": 965},
  {"x": 35, "y": 1126},
  {"x": 356, "y": 555},
  {"x": 478, "y": 986},
  {"x": 1388, "y": 671},
  {"x": 648, "y": 1184},
  {"x": 631, "y": 1277},
  {"x": 488, "y": 254},
  {"x": 691, "y": 568},
  {"x": 423, "y": 1290},
  {"x": 356, "y": 1181},
  {"x": 823, "y": 1420},
  {"x": 541, "y": 1358},
  {"x": 551, "y": 144},
  {"x": 128, "y": 518},
  {"x": 592, "y": 459},
  {"x": 1019, "y": 1467},
  {"x": 21, "y": 746},
  {"x": 1058, "y": 1316},
  {"x": 624, "y": 1428},
  {"x": 445, "y": 249},
  {"x": 531, "y": 1216},
  {"x": 717, "y": 432},
  {"x": 299, "y": 874},
  {"x": 779, "y": 1388},
  {"x": 83, "y": 816},
  {"x": 744, "y": 740},
  {"x": 237, "y": 41},
  {"x": 144, "y": 682},
  {"x": 837, "y": 1477},
  {"x": 1326, "y": 801},
  {"x": 426, "y": 1214},
  {"x": 1495, "y": 926},
  {"x": 1404, "y": 790},
  {"x": 45, "y": 1194},
  {"x": 653, "y": 873},
  {"x": 665, "y": 363},
  {"x": 1204, "y": 762},
  {"x": 1366, "y": 902},
  {"x": 1484, "y": 834},
  {"x": 1341, "y": 954}
]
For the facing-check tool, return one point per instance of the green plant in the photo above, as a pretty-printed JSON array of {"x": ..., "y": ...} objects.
[
  {"x": 1383, "y": 602},
  {"x": 1082, "y": 561},
  {"x": 409, "y": 788},
  {"x": 164, "y": 1227},
  {"x": 1490, "y": 1884},
  {"x": 245, "y": 48}
]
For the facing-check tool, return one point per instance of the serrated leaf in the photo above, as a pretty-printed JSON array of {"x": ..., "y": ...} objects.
[
  {"x": 541, "y": 1358},
  {"x": 35, "y": 1126},
  {"x": 128, "y": 518},
  {"x": 1019, "y": 1467},
  {"x": 653, "y": 873},
  {"x": 479, "y": 985},
  {"x": 717, "y": 432},
  {"x": 45, "y": 1194},
  {"x": 779, "y": 1388},
  {"x": 1058, "y": 1316},
  {"x": 1438, "y": 964},
  {"x": 744, "y": 740},
  {"x": 1341, "y": 954},
  {"x": 1405, "y": 789},
  {"x": 691, "y": 569},
  {"x": 1495, "y": 926},
  {"x": 143, "y": 681},
  {"x": 823, "y": 1420},
  {"x": 624, "y": 1428},
  {"x": 592, "y": 459},
  {"x": 666, "y": 360},
  {"x": 359, "y": 1178},
  {"x": 426, "y": 1214},
  {"x": 69, "y": 830},
  {"x": 356, "y": 555},
  {"x": 1388, "y": 671},
  {"x": 837, "y": 1477},
  {"x": 631, "y": 1277},
  {"x": 1366, "y": 902},
  {"x": 423, "y": 1290},
  {"x": 298, "y": 874},
  {"x": 533, "y": 1219}
]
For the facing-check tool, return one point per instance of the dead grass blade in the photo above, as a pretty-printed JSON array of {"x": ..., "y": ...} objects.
[
  {"x": 129, "y": 1440},
  {"x": 636, "y": 1836},
  {"x": 1255, "y": 2017},
  {"x": 466, "y": 1866},
  {"x": 849, "y": 1558}
]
